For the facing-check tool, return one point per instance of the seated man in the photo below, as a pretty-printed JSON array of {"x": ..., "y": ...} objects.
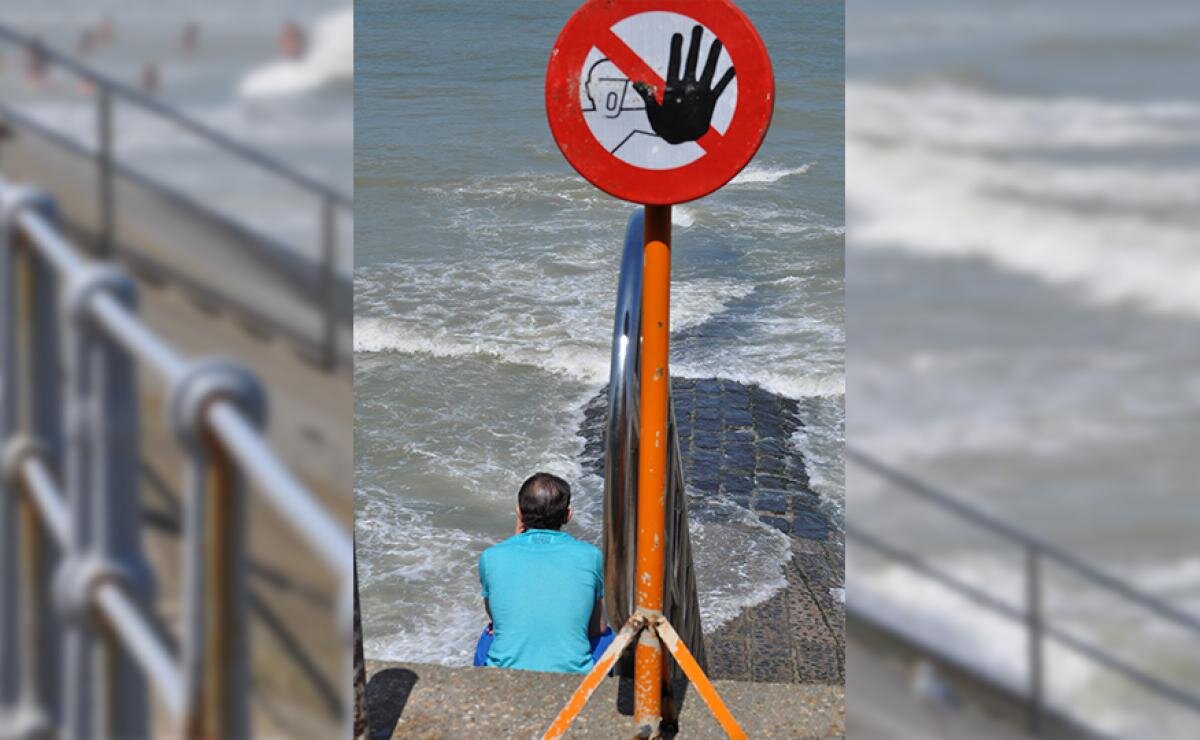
[{"x": 542, "y": 589}]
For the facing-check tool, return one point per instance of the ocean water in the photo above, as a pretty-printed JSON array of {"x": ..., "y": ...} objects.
[
  {"x": 1024, "y": 321},
  {"x": 309, "y": 128},
  {"x": 485, "y": 286}
]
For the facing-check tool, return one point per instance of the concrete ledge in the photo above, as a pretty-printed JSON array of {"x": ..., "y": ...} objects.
[{"x": 414, "y": 700}]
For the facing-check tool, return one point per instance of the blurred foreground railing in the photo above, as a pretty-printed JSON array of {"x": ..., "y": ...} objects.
[
  {"x": 81, "y": 642},
  {"x": 1031, "y": 614},
  {"x": 328, "y": 202}
]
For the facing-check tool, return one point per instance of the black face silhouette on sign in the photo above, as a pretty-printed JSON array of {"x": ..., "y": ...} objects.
[{"x": 687, "y": 107}]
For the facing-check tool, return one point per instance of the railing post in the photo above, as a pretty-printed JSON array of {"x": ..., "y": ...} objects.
[
  {"x": 216, "y": 646},
  {"x": 10, "y": 608},
  {"x": 37, "y": 616},
  {"x": 79, "y": 648},
  {"x": 99, "y": 497},
  {"x": 1033, "y": 612},
  {"x": 104, "y": 168},
  {"x": 117, "y": 520},
  {"x": 27, "y": 628},
  {"x": 329, "y": 282},
  {"x": 45, "y": 376}
]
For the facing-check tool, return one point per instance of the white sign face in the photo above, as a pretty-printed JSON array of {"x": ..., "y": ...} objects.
[{"x": 614, "y": 98}]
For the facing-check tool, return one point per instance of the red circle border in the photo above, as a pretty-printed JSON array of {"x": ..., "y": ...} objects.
[{"x": 740, "y": 141}]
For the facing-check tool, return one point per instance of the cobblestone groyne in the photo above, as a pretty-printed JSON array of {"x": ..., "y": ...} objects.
[{"x": 734, "y": 440}]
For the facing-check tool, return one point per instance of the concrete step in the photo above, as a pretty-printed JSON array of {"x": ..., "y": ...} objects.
[{"x": 414, "y": 700}]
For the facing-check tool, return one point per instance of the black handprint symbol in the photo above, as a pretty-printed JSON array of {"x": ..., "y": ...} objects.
[{"x": 687, "y": 107}]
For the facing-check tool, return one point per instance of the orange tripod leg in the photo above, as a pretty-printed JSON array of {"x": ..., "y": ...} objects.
[
  {"x": 693, "y": 671},
  {"x": 590, "y": 682}
]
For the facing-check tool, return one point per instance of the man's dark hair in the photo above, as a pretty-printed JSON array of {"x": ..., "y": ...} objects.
[{"x": 544, "y": 500}]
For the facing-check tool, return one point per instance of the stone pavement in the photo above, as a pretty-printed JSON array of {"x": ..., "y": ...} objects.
[{"x": 734, "y": 439}]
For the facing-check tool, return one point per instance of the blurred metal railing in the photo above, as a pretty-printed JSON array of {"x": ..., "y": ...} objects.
[
  {"x": 329, "y": 200},
  {"x": 1032, "y": 613},
  {"x": 681, "y": 603},
  {"x": 80, "y": 638}
]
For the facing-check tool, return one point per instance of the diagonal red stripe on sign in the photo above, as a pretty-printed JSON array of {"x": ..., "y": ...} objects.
[{"x": 627, "y": 60}]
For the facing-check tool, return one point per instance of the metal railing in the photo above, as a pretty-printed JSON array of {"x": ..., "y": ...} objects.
[
  {"x": 1031, "y": 614},
  {"x": 328, "y": 200},
  {"x": 681, "y": 604},
  {"x": 76, "y": 593}
]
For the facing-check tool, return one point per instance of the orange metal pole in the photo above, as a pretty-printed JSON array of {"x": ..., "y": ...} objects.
[
  {"x": 652, "y": 463},
  {"x": 648, "y": 622}
]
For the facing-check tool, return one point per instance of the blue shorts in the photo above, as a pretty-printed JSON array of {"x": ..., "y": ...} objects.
[{"x": 599, "y": 645}]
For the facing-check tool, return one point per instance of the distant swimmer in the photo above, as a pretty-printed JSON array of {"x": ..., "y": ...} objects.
[
  {"x": 190, "y": 36},
  {"x": 543, "y": 589},
  {"x": 86, "y": 43},
  {"x": 150, "y": 81},
  {"x": 308, "y": 60},
  {"x": 292, "y": 41},
  {"x": 106, "y": 31},
  {"x": 37, "y": 64}
]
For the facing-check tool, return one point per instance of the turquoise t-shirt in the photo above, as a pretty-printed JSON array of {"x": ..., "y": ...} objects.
[{"x": 541, "y": 586}]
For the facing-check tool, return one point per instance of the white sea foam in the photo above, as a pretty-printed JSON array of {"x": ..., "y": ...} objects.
[
  {"x": 589, "y": 364},
  {"x": 820, "y": 442},
  {"x": 1015, "y": 419},
  {"x": 950, "y": 117},
  {"x": 330, "y": 60},
  {"x": 419, "y": 557},
  {"x": 929, "y": 613},
  {"x": 783, "y": 383},
  {"x": 561, "y": 344},
  {"x": 683, "y": 217},
  {"x": 738, "y": 560},
  {"x": 934, "y": 188},
  {"x": 934, "y": 615},
  {"x": 758, "y": 175}
]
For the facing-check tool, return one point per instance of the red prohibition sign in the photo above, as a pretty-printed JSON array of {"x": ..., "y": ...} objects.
[{"x": 597, "y": 83}]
